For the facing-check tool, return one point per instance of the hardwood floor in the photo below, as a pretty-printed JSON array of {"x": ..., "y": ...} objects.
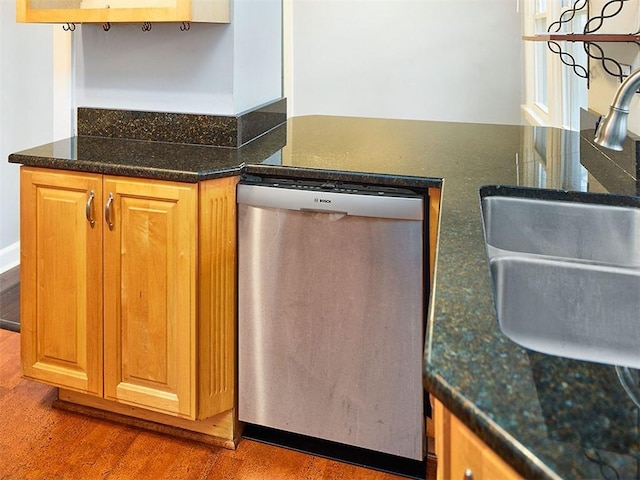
[
  {"x": 10, "y": 300},
  {"x": 41, "y": 442}
]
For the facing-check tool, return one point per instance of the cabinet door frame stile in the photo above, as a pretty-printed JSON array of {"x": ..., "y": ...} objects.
[{"x": 217, "y": 296}]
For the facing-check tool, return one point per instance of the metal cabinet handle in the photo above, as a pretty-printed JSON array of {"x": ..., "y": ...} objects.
[
  {"x": 89, "y": 209},
  {"x": 107, "y": 211},
  {"x": 468, "y": 474}
]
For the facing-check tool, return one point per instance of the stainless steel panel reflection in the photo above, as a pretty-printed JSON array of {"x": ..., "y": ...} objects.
[{"x": 330, "y": 327}]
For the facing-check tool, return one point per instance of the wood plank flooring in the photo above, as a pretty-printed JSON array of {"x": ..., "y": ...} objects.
[
  {"x": 42, "y": 443},
  {"x": 10, "y": 300}
]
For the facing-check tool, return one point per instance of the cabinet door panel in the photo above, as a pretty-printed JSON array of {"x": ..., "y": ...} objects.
[
  {"x": 61, "y": 279},
  {"x": 150, "y": 294}
]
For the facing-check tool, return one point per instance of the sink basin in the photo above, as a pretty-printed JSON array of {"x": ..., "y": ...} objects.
[{"x": 566, "y": 276}]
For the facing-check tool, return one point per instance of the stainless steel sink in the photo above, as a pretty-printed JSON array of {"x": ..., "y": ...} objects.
[{"x": 566, "y": 276}]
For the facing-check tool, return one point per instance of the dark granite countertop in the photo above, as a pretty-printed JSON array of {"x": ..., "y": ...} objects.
[
  {"x": 548, "y": 417},
  {"x": 159, "y": 160}
]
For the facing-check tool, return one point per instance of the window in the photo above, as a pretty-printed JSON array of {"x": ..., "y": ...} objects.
[
  {"x": 540, "y": 66},
  {"x": 541, "y": 6},
  {"x": 554, "y": 93}
]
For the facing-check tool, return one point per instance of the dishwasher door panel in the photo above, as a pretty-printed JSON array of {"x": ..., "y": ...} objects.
[{"x": 330, "y": 327}]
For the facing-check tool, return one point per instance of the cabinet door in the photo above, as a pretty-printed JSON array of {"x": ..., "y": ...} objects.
[
  {"x": 461, "y": 454},
  {"x": 100, "y": 11},
  {"x": 466, "y": 452},
  {"x": 150, "y": 242},
  {"x": 61, "y": 278}
]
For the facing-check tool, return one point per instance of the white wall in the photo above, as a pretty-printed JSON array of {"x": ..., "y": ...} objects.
[
  {"x": 26, "y": 113},
  {"x": 448, "y": 60},
  {"x": 211, "y": 68}
]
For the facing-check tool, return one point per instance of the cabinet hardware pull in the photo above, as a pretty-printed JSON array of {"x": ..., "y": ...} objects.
[
  {"x": 107, "y": 211},
  {"x": 89, "y": 209},
  {"x": 468, "y": 474}
]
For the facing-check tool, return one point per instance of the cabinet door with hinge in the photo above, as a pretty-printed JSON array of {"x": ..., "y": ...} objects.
[
  {"x": 150, "y": 246},
  {"x": 61, "y": 278}
]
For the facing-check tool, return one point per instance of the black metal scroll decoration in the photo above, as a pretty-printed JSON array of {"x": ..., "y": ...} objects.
[
  {"x": 106, "y": 26},
  {"x": 599, "y": 19},
  {"x": 593, "y": 50},
  {"x": 565, "y": 57},
  {"x": 146, "y": 26},
  {"x": 568, "y": 15},
  {"x": 611, "y": 66},
  {"x": 69, "y": 27},
  {"x": 568, "y": 59},
  {"x": 186, "y": 26}
]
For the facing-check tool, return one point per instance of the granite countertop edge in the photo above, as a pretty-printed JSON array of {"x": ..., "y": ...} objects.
[
  {"x": 31, "y": 158},
  {"x": 154, "y": 173},
  {"x": 505, "y": 445}
]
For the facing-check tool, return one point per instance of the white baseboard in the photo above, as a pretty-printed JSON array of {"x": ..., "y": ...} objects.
[{"x": 9, "y": 257}]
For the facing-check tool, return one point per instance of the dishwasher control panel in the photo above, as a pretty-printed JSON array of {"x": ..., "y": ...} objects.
[
  {"x": 329, "y": 186},
  {"x": 331, "y": 197}
]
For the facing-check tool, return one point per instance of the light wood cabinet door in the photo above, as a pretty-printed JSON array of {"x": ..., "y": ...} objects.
[
  {"x": 61, "y": 278},
  {"x": 150, "y": 246},
  {"x": 102, "y": 11},
  {"x": 462, "y": 455}
]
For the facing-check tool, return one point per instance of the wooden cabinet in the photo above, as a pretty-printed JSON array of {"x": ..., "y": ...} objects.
[
  {"x": 111, "y": 272},
  {"x": 61, "y": 279},
  {"x": 102, "y": 11},
  {"x": 461, "y": 454},
  {"x": 149, "y": 255},
  {"x": 434, "y": 227}
]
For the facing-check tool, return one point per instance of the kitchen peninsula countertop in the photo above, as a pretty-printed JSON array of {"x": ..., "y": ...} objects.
[{"x": 548, "y": 417}]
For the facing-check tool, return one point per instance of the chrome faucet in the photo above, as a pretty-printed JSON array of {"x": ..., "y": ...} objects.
[{"x": 612, "y": 129}]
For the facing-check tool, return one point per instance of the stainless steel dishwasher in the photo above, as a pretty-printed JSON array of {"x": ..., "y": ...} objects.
[{"x": 331, "y": 313}]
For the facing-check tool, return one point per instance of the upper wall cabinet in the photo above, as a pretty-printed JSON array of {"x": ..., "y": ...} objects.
[{"x": 134, "y": 11}]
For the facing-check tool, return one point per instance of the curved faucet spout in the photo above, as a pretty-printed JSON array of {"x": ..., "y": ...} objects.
[{"x": 612, "y": 129}]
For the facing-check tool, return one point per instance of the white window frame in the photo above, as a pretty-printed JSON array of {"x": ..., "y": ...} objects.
[{"x": 566, "y": 92}]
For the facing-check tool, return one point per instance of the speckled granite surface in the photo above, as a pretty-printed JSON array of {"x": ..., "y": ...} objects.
[
  {"x": 548, "y": 417},
  {"x": 159, "y": 160},
  {"x": 216, "y": 130}
]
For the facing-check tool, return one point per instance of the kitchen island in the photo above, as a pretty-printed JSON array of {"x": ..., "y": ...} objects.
[{"x": 547, "y": 417}]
